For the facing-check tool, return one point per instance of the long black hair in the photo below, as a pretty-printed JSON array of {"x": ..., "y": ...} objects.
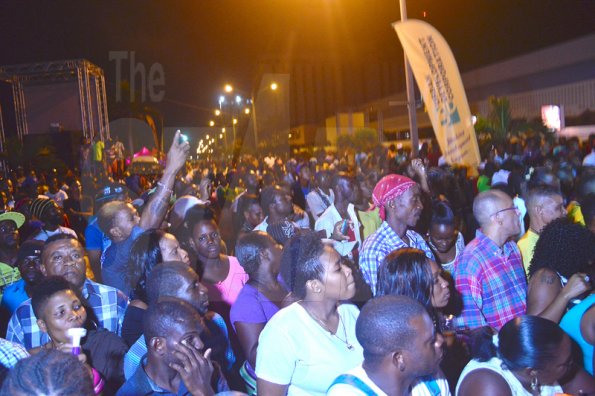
[{"x": 526, "y": 341}]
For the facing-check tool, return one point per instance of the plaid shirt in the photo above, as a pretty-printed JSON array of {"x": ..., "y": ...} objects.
[
  {"x": 108, "y": 305},
  {"x": 11, "y": 353},
  {"x": 378, "y": 245},
  {"x": 492, "y": 283}
]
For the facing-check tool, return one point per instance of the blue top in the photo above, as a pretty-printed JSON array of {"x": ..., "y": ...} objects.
[
  {"x": 571, "y": 324},
  {"x": 141, "y": 384},
  {"x": 14, "y": 295},
  {"x": 113, "y": 269}
]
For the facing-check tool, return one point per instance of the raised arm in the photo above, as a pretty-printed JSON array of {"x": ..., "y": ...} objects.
[
  {"x": 158, "y": 204},
  {"x": 546, "y": 297}
]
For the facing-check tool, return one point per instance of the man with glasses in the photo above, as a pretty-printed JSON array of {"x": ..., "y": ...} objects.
[{"x": 489, "y": 273}]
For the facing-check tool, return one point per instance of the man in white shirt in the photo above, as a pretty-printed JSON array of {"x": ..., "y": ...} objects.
[
  {"x": 347, "y": 193},
  {"x": 320, "y": 197},
  {"x": 402, "y": 352}
]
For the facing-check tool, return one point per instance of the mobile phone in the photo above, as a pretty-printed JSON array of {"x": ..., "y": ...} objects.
[
  {"x": 182, "y": 139},
  {"x": 345, "y": 227}
]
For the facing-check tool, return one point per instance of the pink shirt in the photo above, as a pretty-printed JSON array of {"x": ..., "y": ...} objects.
[{"x": 228, "y": 289}]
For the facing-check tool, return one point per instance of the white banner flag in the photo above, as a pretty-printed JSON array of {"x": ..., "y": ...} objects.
[{"x": 441, "y": 87}]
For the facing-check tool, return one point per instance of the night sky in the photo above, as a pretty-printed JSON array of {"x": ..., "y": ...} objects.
[{"x": 202, "y": 44}]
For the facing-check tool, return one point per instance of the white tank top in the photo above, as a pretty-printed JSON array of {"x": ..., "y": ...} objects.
[{"x": 515, "y": 385}]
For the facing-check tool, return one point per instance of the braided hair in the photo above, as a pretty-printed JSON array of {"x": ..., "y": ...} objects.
[{"x": 49, "y": 372}]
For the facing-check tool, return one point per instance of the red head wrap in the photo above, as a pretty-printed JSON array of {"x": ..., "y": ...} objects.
[{"x": 389, "y": 188}]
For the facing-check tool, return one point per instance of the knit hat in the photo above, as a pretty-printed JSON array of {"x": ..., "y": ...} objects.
[{"x": 39, "y": 205}]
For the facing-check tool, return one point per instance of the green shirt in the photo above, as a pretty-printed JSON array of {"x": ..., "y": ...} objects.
[{"x": 8, "y": 275}]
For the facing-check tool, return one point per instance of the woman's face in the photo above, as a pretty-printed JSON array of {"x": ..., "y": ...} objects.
[
  {"x": 336, "y": 277},
  {"x": 171, "y": 250},
  {"x": 440, "y": 292},
  {"x": 62, "y": 311},
  {"x": 206, "y": 239},
  {"x": 559, "y": 366},
  {"x": 443, "y": 237}
]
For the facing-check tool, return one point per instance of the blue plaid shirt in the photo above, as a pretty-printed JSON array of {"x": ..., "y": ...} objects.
[
  {"x": 108, "y": 304},
  {"x": 11, "y": 353},
  {"x": 378, "y": 245}
]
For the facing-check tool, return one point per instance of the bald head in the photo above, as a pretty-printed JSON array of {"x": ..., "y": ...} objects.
[{"x": 488, "y": 203}]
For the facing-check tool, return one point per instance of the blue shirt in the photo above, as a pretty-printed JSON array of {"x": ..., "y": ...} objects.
[
  {"x": 216, "y": 324},
  {"x": 379, "y": 244},
  {"x": 114, "y": 266},
  {"x": 14, "y": 295},
  {"x": 141, "y": 384},
  {"x": 108, "y": 305}
]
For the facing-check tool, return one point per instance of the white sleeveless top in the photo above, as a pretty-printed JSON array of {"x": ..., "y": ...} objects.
[{"x": 516, "y": 387}]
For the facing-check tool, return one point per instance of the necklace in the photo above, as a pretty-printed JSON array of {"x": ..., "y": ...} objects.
[{"x": 331, "y": 334}]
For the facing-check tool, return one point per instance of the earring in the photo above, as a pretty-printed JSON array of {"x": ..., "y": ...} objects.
[{"x": 534, "y": 383}]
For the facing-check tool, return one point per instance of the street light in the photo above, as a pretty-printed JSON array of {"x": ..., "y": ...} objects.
[
  {"x": 273, "y": 87},
  {"x": 217, "y": 112},
  {"x": 211, "y": 123},
  {"x": 228, "y": 88}
]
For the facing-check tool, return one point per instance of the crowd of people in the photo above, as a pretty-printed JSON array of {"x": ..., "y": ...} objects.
[{"x": 365, "y": 274}]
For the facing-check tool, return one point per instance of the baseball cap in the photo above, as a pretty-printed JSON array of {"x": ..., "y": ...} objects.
[{"x": 17, "y": 217}]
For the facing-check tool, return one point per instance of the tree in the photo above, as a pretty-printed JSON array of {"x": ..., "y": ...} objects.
[{"x": 365, "y": 139}]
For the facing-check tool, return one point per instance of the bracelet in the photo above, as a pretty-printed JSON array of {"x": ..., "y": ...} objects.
[{"x": 163, "y": 186}]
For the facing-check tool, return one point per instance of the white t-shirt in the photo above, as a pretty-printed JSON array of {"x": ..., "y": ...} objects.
[
  {"x": 419, "y": 387},
  {"x": 43, "y": 235},
  {"x": 495, "y": 364},
  {"x": 59, "y": 197},
  {"x": 315, "y": 203},
  {"x": 294, "y": 349}
]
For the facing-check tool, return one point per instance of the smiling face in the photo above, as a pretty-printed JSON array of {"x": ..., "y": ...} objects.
[{"x": 62, "y": 311}]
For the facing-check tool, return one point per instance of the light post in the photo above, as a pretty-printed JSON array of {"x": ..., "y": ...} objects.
[{"x": 273, "y": 87}]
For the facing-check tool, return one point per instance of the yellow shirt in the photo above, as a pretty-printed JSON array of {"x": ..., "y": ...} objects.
[
  {"x": 574, "y": 213},
  {"x": 526, "y": 245},
  {"x": 370, "y": 222}
]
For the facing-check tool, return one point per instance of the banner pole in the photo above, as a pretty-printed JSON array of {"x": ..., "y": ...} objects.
[{"x": 411, "y": 108}]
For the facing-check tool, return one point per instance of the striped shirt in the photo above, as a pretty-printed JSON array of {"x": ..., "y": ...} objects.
[{"x": 492, "y": 283}]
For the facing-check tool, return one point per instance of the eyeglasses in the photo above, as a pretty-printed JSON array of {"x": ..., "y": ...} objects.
[{"x": 505, "y": 209}]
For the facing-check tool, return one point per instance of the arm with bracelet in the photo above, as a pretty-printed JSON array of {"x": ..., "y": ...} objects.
[{"x": 158, "y": 204}]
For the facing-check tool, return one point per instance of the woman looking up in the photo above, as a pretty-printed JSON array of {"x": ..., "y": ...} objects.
[
  {"x": 260, "y": 298},
  {"x": 305, "y": 346}
]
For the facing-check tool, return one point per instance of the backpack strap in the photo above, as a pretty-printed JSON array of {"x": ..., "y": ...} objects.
[{"x": 352, "y": 380}]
